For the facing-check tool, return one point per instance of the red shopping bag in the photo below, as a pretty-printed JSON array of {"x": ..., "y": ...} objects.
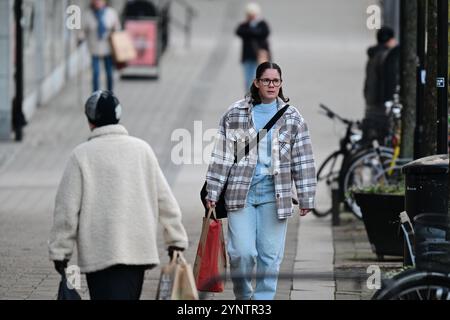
[{"x": 211, "y": 259}]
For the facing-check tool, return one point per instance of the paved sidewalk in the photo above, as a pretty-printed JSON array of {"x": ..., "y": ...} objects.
[
  {"x": 152, "y": 111},
  {"x": 321, "y": 51},
  {"x": 314, "y": 261},
  {"x": 353, "y": 255}
]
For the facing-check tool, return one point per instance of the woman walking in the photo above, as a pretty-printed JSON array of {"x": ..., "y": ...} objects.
[
  {"x": 259, "y": 192},
  {"x": 254, "y": 32},
  {"x": 98, "y": 24}
]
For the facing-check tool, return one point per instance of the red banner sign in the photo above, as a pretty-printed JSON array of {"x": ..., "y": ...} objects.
[{"x": 145, "y": 38}]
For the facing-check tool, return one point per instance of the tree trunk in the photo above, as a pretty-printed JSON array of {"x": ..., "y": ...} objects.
[
  {"x": 408, "y": 85},
  {"x": 429, "y": 146},
  {"x": 448, "y": 97}
]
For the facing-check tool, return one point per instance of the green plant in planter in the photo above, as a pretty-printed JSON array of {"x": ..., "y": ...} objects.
[
  {"x": 380, "y": 205},
  {"x": 396, "y": 189},
  {"x": 392, "y": 273}
]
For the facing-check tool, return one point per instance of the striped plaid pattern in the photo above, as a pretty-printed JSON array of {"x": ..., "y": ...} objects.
[{"x": 292, "y": 159}]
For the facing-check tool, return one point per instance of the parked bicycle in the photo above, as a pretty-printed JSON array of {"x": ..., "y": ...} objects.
[
  {"x": 354, "y": 164},
  {"x": 394, "y": 111},
  {"x": 429, "y": 279}
]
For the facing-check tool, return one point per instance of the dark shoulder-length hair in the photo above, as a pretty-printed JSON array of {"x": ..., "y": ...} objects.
[{"x": 254, "y": 91}]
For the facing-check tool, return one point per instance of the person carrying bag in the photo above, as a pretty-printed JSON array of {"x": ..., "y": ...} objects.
[
  {"x": 176, "y": 281},
  {"x": 66, "y": 293},
  {"x": 211, "y": 259},
  {"x": 220, "y": 208},
  {"x": 258, "y": 194}
]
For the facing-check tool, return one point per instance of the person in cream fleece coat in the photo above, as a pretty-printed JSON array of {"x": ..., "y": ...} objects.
[{"x": 110, "y": 199}]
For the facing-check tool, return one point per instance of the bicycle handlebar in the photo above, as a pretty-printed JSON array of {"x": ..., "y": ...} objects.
[{"x": 331, "y": 114}]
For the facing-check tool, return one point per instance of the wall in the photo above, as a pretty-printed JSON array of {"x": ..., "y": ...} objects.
[{"x": 5, "y": 68}]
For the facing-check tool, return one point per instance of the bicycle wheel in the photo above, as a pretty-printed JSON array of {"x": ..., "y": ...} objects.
[
  {"x": 328, "y": 172},
  {"x": 364, "y": 169},
  {"x": 416, "y": 285}
]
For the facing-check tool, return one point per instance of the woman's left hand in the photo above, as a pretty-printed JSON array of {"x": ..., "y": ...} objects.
[{"x": 304, "y": 212}]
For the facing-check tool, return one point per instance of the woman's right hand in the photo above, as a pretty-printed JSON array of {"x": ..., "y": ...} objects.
[{"x": 210, "y": 204}]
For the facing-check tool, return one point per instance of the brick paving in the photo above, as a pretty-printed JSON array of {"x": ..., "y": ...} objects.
[
  {"x": 353, "y": 255},
  {"x": 195, "y": 84}
]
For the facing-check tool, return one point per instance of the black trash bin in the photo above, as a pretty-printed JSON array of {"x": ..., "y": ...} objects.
[
  {"x": 426, "y": 185},
  {"x": 426, "y": 199},
  {"x": 432, "y": 245}
]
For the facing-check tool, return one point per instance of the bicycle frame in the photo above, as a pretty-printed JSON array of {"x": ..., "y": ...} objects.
[
  {"x": 408, "y": 232},
  {"x": 347, "y": 146},
  {"x": 344, "y": 142}
]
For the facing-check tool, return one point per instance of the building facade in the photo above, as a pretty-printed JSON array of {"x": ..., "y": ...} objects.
[{"x": 51, "y": 56}]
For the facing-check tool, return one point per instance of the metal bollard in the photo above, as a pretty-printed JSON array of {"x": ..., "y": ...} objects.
[{"x": 336, "y": 203}]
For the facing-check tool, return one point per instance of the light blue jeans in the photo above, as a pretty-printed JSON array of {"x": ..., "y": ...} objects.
[
  {"x": 109, "y": 68},
  {"x": 256, "y": 236},
  {"x": 249, "y": 73}
]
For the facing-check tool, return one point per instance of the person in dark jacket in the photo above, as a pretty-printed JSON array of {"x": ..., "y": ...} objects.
[
  {"x": 382, "y": 79},
  {"x": 254, "y": 33}
]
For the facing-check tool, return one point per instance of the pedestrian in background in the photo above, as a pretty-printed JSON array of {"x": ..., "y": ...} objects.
[
  {"x": 254, "y": 32},
  {"x": 382, "y": 79},
  {"x": 98, "y": 24},
  {"x": 259, "y": 192},
  {"x": 109, "y": 202}
]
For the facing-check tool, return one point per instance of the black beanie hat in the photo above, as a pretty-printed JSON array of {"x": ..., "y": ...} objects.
[
  {"x": 384, "y": 35},
  {"x": 103, "y": 108}
]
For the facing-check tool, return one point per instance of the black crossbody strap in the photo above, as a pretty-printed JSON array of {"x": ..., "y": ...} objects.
[
  {"x": 261, "y": 134},
  {"x": 271, "y": 123}
]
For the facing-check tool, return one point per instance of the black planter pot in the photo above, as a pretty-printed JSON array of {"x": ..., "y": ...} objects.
[{"x": 380, "y": 213}]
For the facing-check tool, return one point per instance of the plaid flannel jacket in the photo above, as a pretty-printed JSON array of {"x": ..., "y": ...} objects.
[{"x": 292, "y": 159}]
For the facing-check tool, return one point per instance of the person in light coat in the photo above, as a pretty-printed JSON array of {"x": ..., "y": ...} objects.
[
  {"x": 109, "y": 201},
  {"x": 97, "y": 25}
]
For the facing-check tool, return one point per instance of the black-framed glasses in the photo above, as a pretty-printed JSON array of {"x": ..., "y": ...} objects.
[{"x": 266, "y": 82}]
